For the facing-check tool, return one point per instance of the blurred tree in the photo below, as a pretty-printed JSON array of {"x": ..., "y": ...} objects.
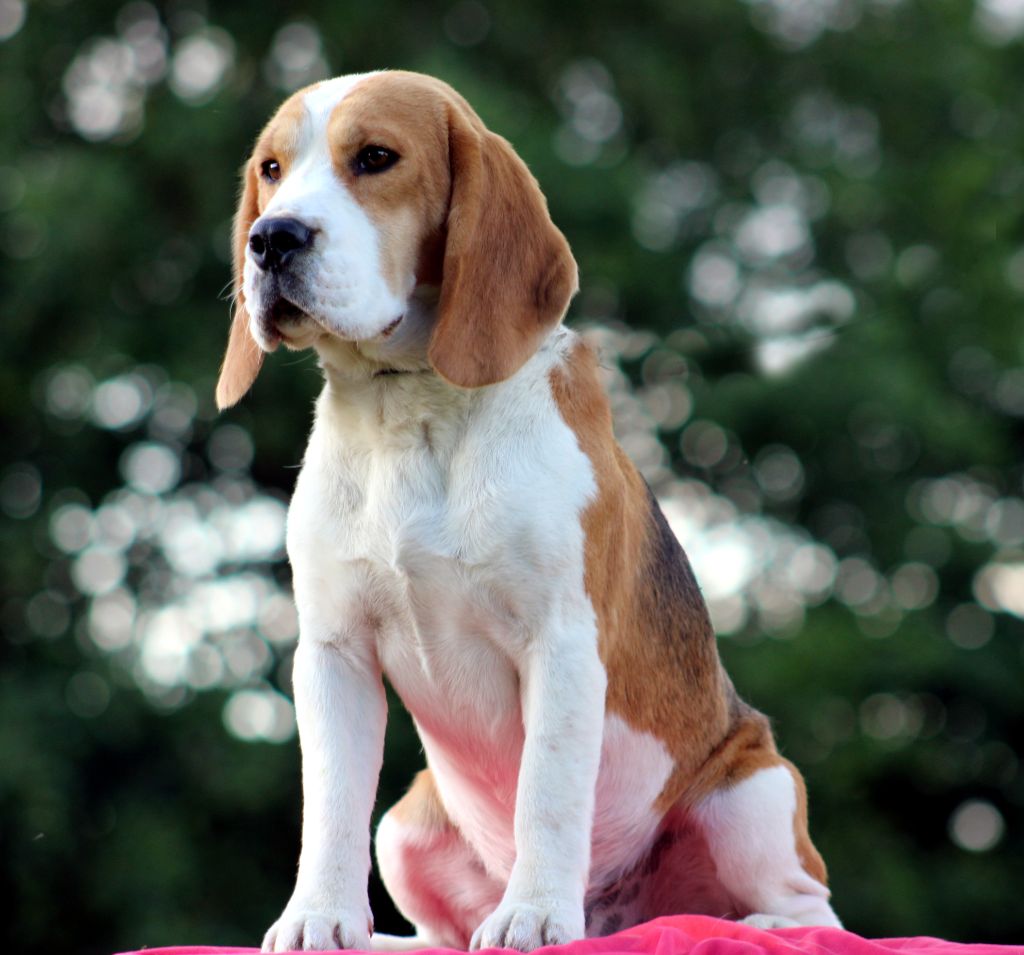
[{"x": 798, "y": 230}]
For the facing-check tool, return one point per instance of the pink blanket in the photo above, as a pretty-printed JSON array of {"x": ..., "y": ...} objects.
[{"x": 698, "y": 935}]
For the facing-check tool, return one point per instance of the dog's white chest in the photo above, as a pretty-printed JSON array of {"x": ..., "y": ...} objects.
[
  {"x": 447, "y": 546},
  {"x": 444, "y": 543},
  {"x": 446, "y": 535}
]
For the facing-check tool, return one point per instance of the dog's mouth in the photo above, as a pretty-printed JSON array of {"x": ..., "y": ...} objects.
[
  {"x": 283, "y": 312},
  {"x": 386, "y": 332},
  {"x": 283, "y": 320}
]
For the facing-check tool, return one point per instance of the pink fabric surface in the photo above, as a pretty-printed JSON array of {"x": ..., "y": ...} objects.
[{"x": 699, "y": 935}]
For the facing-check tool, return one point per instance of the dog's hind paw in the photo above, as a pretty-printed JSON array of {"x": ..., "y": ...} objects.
[{"x": 765, "y": 921}]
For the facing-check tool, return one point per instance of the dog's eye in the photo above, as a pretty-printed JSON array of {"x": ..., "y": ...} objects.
[
  {"x": 271, "y": 170},
  {"x": 375, "y": 159}
]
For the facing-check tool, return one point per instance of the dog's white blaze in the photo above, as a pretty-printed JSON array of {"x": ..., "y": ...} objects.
[
  {"x": 323, "y": 97},
  {"x": 342, "y": 285}
]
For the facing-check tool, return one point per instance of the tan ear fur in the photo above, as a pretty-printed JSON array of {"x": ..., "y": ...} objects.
[
  {"x": 508, "y": 271},
  {"x": 243, "y": 357}
]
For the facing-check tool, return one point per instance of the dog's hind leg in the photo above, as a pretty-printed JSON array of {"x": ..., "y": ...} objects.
[
  {"x": 435, "y": 877},
  {"x": 756, "y": 834}
]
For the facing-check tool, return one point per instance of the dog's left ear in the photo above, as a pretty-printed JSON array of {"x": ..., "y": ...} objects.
[
  {"x": 243, "y": 357},
  {"x": 508, "y": 272}
]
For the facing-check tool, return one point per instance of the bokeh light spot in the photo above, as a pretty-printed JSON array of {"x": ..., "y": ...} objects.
[
  {"x": 21, "y": 491},
  {"x": 976, "y": 825},
  {"x": 150, "y": 467},
  {"x": 97, "y": 571},
  {"x": 260, "y": 714},
  {"x": 87, "y": 695},
  {"x": 12, "y": 17},
  {"x": 296, "y": 56},
  {"x": 201, "y": 64},
  {"x": 230, "y": 448},
  {"x": 970, "y": 626}
]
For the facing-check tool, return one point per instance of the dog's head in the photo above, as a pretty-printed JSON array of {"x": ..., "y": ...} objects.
[{"x": 363, "y": 188}]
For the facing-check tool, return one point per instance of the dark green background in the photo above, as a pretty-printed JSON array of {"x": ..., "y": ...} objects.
[{"x": 132, "y": 817}]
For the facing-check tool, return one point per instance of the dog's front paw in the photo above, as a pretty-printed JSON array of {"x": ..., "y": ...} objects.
[
  {"x": 525, "y": 926},
  {"x": 305, "y": 929}
]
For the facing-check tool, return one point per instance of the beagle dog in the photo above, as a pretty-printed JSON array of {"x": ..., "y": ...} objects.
[{"x": 465, "y": 524}]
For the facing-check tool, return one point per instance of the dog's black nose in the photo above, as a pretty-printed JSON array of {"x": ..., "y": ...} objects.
[{"x": 274, "y": 241}]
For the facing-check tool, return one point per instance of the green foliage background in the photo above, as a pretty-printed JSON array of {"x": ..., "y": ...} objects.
[{"x": 132, "y": 816}]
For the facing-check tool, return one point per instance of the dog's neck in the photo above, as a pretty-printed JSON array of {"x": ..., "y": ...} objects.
[
  {"x": 402, "y": 351},
  {"x": 383, "y": 394}
]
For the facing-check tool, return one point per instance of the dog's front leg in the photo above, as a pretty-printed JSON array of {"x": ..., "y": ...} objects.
[
  {"x": 341, "y": 711},
  {"x": 563, "y": 693}
]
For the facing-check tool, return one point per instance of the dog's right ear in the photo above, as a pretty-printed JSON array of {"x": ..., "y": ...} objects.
[{"x": 243, "y": 357}]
